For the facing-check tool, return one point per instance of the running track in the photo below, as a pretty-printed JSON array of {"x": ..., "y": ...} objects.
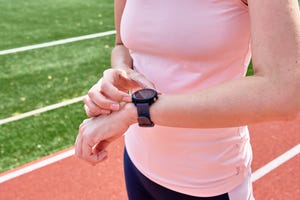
[{"x": 73, "y": 179}]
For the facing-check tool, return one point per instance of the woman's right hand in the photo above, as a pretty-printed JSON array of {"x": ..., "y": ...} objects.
[{"x": 113, "y": 88}]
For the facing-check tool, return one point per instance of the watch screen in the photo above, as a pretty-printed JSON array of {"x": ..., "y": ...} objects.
[{"x": 144, "y": 94}]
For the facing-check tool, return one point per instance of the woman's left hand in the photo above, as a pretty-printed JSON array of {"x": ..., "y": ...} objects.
[{"x": 95, "y": 134}]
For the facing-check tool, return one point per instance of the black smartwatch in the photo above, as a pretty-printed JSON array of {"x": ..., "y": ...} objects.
[{"x": 142, "y": 99}]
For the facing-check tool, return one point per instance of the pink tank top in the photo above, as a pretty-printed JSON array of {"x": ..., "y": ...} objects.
[{"x": 184, "y": 46}]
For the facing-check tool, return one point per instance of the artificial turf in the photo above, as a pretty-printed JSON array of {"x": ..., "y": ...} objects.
[
  {"x": 31, "y": 138},
  {"x": 36, "y": 21},
  {"x": 41, "y": 77},
  {"x": 37, "y": 78}
]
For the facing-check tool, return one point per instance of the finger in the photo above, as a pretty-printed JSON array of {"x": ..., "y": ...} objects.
[
  {"x": 78, "y": 146},
  {"x": 112, "y": 92},
  {"x": 91, "y": 157},
  {"x": 87, "y": 153},
  {"x": 98, "y": 103},
  {"x": 141, "y": 80},
  {"x": 100, "y": 146},
  {"x": 96, "y": 158},
  {"x": 79, "y": 138},
  {"x": 90, "y": 113},
  {"x": 92, "y": 107},
  {"x": 114, "y": 84},
  {"x": 101, "y": 156}
]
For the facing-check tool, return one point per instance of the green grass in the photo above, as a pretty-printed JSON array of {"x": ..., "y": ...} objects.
[
  {"x": 36, "y": 21},
  {"x": 250, "y": 70},
  {"x": 31, "y": 138},
  {"x": 37, "y": 78},
  {"x": 40, "y": 77}
]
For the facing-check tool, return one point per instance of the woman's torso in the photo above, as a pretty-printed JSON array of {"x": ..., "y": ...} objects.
[{"x": 184, "y": 46}]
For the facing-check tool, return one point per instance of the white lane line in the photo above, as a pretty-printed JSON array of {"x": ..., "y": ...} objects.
[
  {"x": 57, "y": 42},
  {"x": 37, "y": 165},
  {"x": 276, "y": 163},
  {"x": 255, "y": 176},
  {"x": 41, "y": 110}
]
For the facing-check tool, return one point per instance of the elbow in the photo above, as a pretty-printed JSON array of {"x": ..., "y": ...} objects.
[
  {"x": 287, "y": 103},
  {"x": 282, "y": 89}
]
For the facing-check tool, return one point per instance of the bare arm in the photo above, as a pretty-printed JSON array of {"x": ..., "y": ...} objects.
[
  {"x": 273, "y": 93},
  {"x": 120, "y": 57}
]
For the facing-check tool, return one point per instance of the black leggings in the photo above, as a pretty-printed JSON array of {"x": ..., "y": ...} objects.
[{"x": 140, "y": 187}]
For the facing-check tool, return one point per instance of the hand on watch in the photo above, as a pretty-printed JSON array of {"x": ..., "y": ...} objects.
[{"x": 112, "y": 88}]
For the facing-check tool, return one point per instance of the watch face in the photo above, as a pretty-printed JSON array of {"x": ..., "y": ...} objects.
[{"x": 144, "y": 94}]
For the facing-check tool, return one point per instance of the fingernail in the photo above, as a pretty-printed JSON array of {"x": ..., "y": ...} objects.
[{"x": 115, "y": 106}]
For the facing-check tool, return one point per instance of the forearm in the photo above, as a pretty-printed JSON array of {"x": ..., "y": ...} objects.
[
  {"x": 239, "y": 102},
  {"x": 272, "y": 94}
]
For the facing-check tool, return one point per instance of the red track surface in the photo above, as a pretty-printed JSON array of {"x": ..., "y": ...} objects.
[{"x": 73, "y": 179}]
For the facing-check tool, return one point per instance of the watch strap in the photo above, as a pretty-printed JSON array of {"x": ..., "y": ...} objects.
[{"x": 144, "y": 119}]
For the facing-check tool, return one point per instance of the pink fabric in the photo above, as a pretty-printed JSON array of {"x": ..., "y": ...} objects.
[{"x": 185, "y": 46}]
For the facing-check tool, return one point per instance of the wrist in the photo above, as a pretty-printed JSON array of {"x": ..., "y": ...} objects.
[
  {"x": 129, "y": 113},
  {"x": 143, "y": 99}
]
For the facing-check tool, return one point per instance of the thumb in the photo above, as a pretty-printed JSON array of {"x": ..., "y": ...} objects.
[{"x": 141, "y": 80}]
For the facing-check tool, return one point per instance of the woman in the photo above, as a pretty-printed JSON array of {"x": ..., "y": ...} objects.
[{"x": 195, "y": 53}]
